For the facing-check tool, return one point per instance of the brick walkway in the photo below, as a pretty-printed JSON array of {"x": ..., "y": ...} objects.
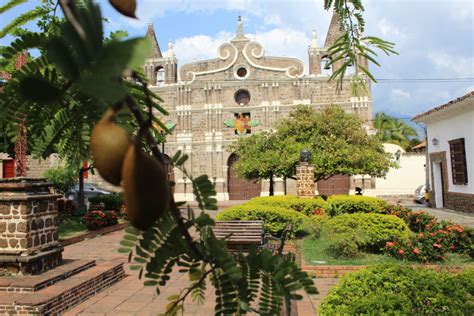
[{"x": 130, "y": 297}]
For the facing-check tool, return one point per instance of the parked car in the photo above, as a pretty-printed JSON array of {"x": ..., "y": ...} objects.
[
  {"x": 90, "y": 190},
  {"x": 420, "y": 194}
]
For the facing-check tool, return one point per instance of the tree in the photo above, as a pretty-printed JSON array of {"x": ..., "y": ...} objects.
[
  {"x": 337, "y": 140},
  {"x": 263, "y": 156},
  {"x": 395, "y": 131}
]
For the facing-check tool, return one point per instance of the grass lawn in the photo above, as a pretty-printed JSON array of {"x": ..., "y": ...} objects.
[
  {"x": 71, "y": 226},
  {"x": 315, "y": 252}
]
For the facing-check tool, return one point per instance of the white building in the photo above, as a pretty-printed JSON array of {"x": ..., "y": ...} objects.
[{"x": 450, "y": 129}]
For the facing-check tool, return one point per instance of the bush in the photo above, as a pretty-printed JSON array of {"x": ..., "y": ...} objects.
[
  {"x": 419, "y": 221},
  {"x": 401, "y": 290},
  {"x": 275, "y": 218},
  {"x": 305, "y": 206},
  {"x": 112, "y": 202},
  {"x": 345, "y": 245},
  {"x": 316, "y": 224},
  {"x": 62, "y": 178},
  {"x": 342, "y": 204},
  {"x": 98, "y": 219},
  {"x": 372, "y": 230}
]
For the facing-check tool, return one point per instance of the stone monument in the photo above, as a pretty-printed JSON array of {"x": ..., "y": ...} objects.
[
  {"x": 305, "y": 176},
  {"x": 28, "y": 226}
]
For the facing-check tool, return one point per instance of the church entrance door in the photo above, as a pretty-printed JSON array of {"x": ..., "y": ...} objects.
[
  {"x": 338, "y": 184},
  {"x": 240, "y": 188}
]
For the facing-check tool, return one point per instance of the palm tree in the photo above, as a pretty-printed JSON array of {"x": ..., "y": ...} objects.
[{"x": 394, "y": 131}]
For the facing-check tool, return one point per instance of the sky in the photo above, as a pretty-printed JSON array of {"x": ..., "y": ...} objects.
[{"x": 434, "y": 38}]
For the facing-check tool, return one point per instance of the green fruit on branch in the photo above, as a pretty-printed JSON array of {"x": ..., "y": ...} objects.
[
  {"x": 109, "y": 144},
  {"x": 146, "y": 188}
]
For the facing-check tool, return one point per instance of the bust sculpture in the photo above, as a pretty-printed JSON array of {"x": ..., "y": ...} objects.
[{"x": 305, "y": 155}]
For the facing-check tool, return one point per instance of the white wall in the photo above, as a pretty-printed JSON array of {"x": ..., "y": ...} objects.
[
  {"x": 460, "y": 126},
  {"x": 404, "y": 180}
]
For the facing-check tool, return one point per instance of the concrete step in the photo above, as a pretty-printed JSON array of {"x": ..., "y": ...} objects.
[{"x": 64, "y": 294}]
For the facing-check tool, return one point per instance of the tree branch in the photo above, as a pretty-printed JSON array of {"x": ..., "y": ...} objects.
[{"x": 132, "y": 105}]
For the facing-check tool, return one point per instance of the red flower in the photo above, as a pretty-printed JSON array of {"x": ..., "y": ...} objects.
[
  {"x": 459, "y": 229},
  {"x": 401, "y": 251},
  {"x": 416, "y": 251},
  {"x": 437, "y": 245},
  {"x": 389, "y": 244},
  {"x": 420, "y": 235}
]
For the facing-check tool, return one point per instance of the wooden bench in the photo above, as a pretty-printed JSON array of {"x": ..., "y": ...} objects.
[
  {"x": 240, "y": 235},
  {"x": 275, "y": 244}
]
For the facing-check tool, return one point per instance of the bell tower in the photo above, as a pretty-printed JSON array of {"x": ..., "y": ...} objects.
[
  {"x": 314, "y": 55},
  {"x": 160, "y": 70}
]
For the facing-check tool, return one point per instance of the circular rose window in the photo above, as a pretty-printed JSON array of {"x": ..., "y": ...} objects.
[
  {"x": 242, "y": 97},
  {"x": 242, "y": 72}
]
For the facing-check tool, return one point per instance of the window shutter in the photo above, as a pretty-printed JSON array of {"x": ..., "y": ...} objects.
[{"x": 458, "y": 161}]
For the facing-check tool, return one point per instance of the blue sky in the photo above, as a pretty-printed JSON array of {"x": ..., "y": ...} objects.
[{"x": 435, "y": 39}]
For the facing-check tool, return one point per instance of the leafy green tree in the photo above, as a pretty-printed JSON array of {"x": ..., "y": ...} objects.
[
  {"x": 395, "y": 131},
  {"x": 337, "y": 141},
  {"x": 62, "y": 177},
  {"x": 263, "y": 156}
]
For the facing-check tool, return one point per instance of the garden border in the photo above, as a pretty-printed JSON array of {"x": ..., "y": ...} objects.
[{"x": 72, "y": 240}]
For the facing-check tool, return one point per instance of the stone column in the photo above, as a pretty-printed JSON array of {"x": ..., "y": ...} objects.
[
  {"x": 305, "y": 180},
  {"x": 29, "y": 222}
]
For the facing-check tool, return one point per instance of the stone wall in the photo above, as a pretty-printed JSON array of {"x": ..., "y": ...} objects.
[{"x": 305, "y": 180}]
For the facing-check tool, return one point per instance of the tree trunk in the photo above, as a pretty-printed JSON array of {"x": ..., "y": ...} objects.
[{"x": 271, "y": 190}]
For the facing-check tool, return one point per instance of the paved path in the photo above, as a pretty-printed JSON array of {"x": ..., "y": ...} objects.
[
  {"x": 445, "y": 214},
  {"x": 130, "y": 297}
]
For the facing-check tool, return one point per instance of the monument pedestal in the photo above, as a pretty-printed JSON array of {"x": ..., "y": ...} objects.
[
  {"x": 305, "y": 180},
  {"x": 28, "y": 227}
]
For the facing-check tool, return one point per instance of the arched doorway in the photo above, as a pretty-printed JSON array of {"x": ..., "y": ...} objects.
[
  {"x": 240, "y": 188},
  {"x": 338, "y": 184}
]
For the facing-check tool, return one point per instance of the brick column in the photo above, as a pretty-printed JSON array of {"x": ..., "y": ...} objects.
[
  {"x": 28, "y": 226},
  {"x": 305, "y": 180}
]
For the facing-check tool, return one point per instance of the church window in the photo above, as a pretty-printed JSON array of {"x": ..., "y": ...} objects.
[
  {"x": 242, "y": 97},
  {"x": 160, "y": 76},
  {"x": 242, "y": 72}
]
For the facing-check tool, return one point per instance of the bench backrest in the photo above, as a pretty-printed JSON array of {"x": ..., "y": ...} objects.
[{"x": 242, "y": 233}]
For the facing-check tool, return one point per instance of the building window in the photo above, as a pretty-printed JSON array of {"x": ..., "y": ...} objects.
[
  {"x": 458, "y": 161},
  {"x": 160, "y": 77},
  {"x": 242, "y": 97},
  {"x": 326, "y": 67},
  {"x": 242, "y": 72}
]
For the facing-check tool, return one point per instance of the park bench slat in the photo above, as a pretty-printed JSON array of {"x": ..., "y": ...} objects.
[{"x": 240, "y": 234}]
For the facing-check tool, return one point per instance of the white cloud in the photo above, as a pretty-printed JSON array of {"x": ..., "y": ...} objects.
[
  {"x": 451, "y": 64},
  {"x": 277, "y": 42},
  {"x": 399, "y": 95},
  {"x": 388, "y": 29}
]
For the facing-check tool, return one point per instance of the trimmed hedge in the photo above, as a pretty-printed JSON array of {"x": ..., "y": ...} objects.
[
  {"x": 370, "y": 231},
  {"x": 112, "y": 202},
  {"x": 305, "y": 206},
  {"x": 401, "y": 290},
  {"x": 275, "y": 218},
  {"x": 342, "y": 204}
]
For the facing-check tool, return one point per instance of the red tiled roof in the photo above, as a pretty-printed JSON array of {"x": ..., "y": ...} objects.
[
  {"x": 444, "y": 106},
  {"x": 420, "y": 145}
]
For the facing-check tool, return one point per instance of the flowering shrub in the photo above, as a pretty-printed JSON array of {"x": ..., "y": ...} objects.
[
  {"x": 98, "y": 219},
  {"x": 433, "y": 238}
]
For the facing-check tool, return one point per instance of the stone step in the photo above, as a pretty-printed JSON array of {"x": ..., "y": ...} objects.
[
  {"x": 33, "y": 283},
  {"x": 62, "y": 295}
]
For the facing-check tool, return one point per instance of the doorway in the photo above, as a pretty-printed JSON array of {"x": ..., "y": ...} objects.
[
  {"x": 438, "y": 184},
  {"x": 240, "y": 188}
]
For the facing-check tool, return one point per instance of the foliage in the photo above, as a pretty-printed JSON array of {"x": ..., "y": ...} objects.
[
  {"x": 262, "y": 156},
  {"x": 337, "y": 141},
  {"x": 394, "y": 131},
  {"x": 275, "y": 218},
  {"x": 305, "y": 206},
  {"x": 62, "y": 177},
  {"x": 370, "y": 231},
  {"x": 433, "y": 239},
  {"x": 342, "y": 204},
  {"x": 345, "y": 245},
  {"x": 112, "y": 202},
  {"x": 99, "y": 219},
  {"x": 352, "y": 46},
  {"x": 401, "y": 290},
  {"x": 317, "y": 223}
]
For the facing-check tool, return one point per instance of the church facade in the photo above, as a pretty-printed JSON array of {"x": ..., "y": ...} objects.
[{"x": 242, "y": 91}]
